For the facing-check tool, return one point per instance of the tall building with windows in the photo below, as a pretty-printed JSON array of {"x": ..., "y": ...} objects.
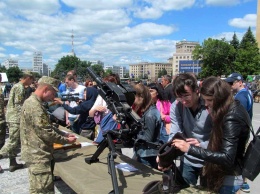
[
  {"x": 98, "y": 62},
  {"x": 10, "y": 63},
  {"x": 183, "y": 53},
  {"x": 123, "y": 72},
  {"x": 37, "y": 62},
  {"x": 148, "y": 71},
  {"x": 45, "y": 69},
  {"x": 120, "y": 70}
]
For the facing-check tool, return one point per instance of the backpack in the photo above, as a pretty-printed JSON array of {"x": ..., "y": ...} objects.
[{"x": 251, "y": 161}]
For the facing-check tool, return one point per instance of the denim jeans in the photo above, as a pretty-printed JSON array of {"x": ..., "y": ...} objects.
[
  {"x": 190, "y": 173},
  {"x": 72, "y": 125},
  {"x": 229, "y": 189}
]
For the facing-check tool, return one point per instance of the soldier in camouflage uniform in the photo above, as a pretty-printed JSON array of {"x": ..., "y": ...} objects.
[
  {"x": 2, "y": 120},
  {"x": 38, "y": 136},
  {"x": 13, "y": 112}
]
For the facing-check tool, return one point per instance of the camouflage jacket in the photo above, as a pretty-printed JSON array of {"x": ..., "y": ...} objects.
[
  {"x": 37, "y": 134},
  {"x": 2, "y": 107},
  {"x": 15, "y": 102}
]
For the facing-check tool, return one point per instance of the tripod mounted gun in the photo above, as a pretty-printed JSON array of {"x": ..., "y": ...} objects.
[{"x": 118, "y": 99}]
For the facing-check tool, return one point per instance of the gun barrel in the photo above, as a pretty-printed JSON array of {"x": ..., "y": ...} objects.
[{"x": 94, "y": 76}]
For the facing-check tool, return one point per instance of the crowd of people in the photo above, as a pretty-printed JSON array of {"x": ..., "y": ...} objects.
[{"x": 214, "y": 117}]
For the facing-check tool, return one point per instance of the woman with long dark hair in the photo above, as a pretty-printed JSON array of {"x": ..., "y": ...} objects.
[
  {"x": 152, "y": 124},
  {"x": 228, "y": 139}
]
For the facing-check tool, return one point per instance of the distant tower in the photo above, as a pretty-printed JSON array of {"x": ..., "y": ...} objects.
[
  {"x": 258, "y": 24},
  {"x": 72, "y": 53}
]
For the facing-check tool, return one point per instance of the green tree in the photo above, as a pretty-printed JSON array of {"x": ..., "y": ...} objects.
[
  {"x": 162, "y": 72},
  {"x": 68, "y": 63},
  {"x": 64, "y": 65},
  {"x": 235, "y": 42},
  {"x": 81, "y": 70},
  {"x": 248, "y": 57},
  {"x": 98, "y": 69},
  {"x": 216, "y": 57},
  {"x": 36, "y": 75},
  {"x": 108, "y": 72},
  {"x": 14, "y": 74},
  {"x": 2, "y": 69}
]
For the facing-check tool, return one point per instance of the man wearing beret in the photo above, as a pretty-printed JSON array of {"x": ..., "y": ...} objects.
[
  {"x": 13, "y": 112},
  {"x": 38, "y": 136}
]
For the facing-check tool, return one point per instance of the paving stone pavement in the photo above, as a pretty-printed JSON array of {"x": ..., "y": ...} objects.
[{"x": 18, "y": 183}]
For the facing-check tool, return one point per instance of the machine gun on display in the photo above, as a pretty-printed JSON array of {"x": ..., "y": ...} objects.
[{"x": 119, "y": 99}]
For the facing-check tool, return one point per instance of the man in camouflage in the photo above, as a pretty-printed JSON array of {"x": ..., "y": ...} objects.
[
  {"x": 2, "y": 120},
  {"x": 38, "y": 136},
  {"x": 13, "y": 112}
]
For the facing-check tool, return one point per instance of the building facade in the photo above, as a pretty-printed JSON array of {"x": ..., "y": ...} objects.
[
  {"x": 37, "y": 62},
  {"x": 45, "y": 70},
  {"x": 10, "y": 63},
  {"x": 183, "y": 52},
  {"x": 120, "y": 70},
  {"x": 258, "y": 24},
  {"x": 97, "y": 63},
  {"x": 148, "y": 71}
]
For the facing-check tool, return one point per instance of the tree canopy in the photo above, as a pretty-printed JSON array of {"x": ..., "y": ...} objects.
[
  {"x": 68, "y": 63},
  {"x": 215, "y": 57},
  {"x": 220, "y": 57},
  {"x": 162, "y": 72},
  {"x": 248, "y": 57},
  {"x": 14, "y": 74}
]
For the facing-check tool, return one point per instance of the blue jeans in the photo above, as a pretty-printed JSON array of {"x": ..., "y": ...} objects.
[
  {"x": 72, "y": 125},
  {"x": 190, "y": 173},
  {"x": 229, "y": 189}
]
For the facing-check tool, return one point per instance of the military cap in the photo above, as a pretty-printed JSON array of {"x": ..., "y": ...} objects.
[
  {"x": 28, "y": 73},
  {"x": 49, "y": 80}
]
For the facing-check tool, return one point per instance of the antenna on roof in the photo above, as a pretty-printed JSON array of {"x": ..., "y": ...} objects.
[{"x": 72, "y": 45}]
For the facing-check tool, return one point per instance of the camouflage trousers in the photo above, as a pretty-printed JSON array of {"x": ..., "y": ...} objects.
[
  {"x": 10, "y": 149},
  {"x": 2, "y": 133},
  {"x": 41, "y": 178}
]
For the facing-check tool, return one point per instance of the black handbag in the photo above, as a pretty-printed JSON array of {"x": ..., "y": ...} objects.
[{"x": 251, "y": 161}]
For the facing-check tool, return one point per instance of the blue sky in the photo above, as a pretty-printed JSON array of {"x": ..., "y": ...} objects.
[{"x": 117, "y": 32}]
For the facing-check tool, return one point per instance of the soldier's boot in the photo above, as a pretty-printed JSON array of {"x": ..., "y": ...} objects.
[{"x": 14, "y": 166}]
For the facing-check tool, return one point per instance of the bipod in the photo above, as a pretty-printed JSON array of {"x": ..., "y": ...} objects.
[{"x": 107, "y": 142}]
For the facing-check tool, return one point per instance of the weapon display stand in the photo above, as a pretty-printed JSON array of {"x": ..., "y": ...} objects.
[{"x": 107, "y": 142}]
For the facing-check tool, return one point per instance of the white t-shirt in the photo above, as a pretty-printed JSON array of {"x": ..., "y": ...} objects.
[
  {"x": 101, "y": 102},
  {"x": 80, "y": 89}
]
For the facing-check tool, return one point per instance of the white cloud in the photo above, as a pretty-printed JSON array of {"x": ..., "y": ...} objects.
[
  {"x": 222, "y": 2},
  {"x": 154, "y": 9},
  {"x": 229, "y": 35},
  {"x": 141, "y": 31},
  {"x": 248, "y": 20},
  {"x": 98, "y": 5},
  {"x": 148, "y": 13},
  {"x": 39, "y": 6},
  {"x": 2, "y": 55},
  {"x": 168, "y": 5},
  {"x": 108, "y": 30}
]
